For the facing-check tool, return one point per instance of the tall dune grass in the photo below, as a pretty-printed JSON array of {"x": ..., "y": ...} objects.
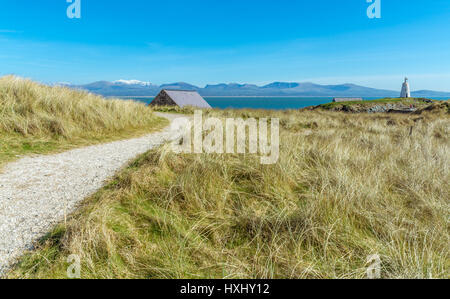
[
  {"x": 346, "y": 187},
  {"x": 39, "y": 117}
]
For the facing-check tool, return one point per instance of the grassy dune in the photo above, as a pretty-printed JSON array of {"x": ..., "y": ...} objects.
[
  {"x": 35, "y": 118},
  {"x": 346, "y": 186}
]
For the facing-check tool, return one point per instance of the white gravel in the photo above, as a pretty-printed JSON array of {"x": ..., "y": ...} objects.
[{"x": 37, "y": 192}]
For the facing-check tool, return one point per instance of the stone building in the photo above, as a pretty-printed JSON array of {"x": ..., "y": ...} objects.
[
  {"x": 181, "y": 98},
  {"x": 406, "y": 92}
]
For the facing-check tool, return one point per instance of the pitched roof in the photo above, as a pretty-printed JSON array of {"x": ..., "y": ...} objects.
[{"x": 187, "y": 98}]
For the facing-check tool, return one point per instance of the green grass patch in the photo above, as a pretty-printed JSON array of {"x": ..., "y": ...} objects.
[{"x": 14, "y": 145}]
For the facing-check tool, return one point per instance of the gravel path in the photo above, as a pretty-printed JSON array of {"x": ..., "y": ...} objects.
[{"x": 37, "y": 192}]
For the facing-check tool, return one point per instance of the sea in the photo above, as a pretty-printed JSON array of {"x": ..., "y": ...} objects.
[{"x": 269, "y": 103}]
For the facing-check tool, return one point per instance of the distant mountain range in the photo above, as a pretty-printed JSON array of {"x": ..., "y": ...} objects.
[{"x": 139, "y": 88}]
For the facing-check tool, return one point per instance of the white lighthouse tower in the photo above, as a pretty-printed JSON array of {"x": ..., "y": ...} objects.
[{"x": 406, "y": 92}]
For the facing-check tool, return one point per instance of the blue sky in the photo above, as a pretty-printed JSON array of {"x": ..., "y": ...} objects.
[{"x": 211, "y": 41}]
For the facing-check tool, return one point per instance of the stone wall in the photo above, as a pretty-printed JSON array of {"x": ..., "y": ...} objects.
[{"x": 163, "y": 99}]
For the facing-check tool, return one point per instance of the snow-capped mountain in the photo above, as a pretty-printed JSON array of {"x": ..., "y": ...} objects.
[{"x": 132, "y": 82}]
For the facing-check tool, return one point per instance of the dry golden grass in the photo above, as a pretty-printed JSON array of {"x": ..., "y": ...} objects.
[
  {"x": 346, "y": 186},
  {"x": 36, "y": 118}
]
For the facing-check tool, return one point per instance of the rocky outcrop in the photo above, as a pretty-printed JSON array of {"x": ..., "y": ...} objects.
[{"x": 408, "y": 106}]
